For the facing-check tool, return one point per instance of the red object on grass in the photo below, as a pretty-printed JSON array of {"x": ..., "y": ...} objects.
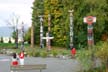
[{"x": 73, "y": 51}]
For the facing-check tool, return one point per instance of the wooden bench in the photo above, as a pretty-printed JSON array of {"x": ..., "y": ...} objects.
[{"x": 28, "y": 67}]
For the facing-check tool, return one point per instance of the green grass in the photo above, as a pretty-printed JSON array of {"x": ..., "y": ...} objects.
[
  {"x": 6, "y": 45},
  {"x": 10, "y": 45},
  {"x": 36, "y": 51}
]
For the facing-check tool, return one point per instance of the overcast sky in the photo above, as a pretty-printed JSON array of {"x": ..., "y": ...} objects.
[{"x": 21, "y": 8}]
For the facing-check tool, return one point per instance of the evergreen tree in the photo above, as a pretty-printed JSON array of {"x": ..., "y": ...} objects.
[{"x": 58, "y": 9}]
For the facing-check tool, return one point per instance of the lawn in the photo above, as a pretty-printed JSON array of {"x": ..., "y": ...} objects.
[{"x": 36, "y": 51}]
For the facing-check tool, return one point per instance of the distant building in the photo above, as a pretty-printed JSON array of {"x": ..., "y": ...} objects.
[
  {"x": 6, "y": 39},
  {"x": 6, "y": 35}
]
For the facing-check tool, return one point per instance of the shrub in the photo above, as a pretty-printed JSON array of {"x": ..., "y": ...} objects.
[
  {"x": 43, "y": 54},
  {"x": 36, "y": 53},
  {"x": 30, "y": 53},
  {"x": 9, "y": 40},
  {"x": 65, "y": 53},
  {"x": 84, "y": 57},
  {"x": 54, "y": 53},
  {"x": 1, "y": 40},
  {"x": 102, "y": 53}
]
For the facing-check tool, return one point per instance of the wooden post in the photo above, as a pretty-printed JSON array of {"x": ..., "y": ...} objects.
[
  {"x": 41, "y": 32},
  {"x": 32, "y": 36},
  {"x": 48, "y": 44},
  {"x": 71, "y": 28}
]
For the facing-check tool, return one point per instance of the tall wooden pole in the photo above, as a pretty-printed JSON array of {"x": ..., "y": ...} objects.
[
  {"x": 49, "y": 29},
  {"x": 71, "y": 28},
  {"x": 22, "y": 30},
  {"x": 49, "y": 23},
  {"x": 41, "y": 32},
  {"x": 32, "y": 36}
]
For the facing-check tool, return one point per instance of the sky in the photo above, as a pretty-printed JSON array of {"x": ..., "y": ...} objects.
[
  {"x": 19, "y": 8},
  {"x": 11, "y": 8}
]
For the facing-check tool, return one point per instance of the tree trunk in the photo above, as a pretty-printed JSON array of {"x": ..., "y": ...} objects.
[{"x": 32, "y": 36}]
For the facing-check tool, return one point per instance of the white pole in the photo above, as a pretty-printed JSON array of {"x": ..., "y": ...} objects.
[
  {"x": 41, "y": 31},
  {"x": 71, "y": 28}
]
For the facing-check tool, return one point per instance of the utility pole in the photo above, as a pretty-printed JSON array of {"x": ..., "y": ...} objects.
[
  {"x": 71, "y": 28},
  {"x": 41, "y": 31}
]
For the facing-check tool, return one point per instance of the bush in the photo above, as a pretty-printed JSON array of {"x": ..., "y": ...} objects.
[
  {"x": 30, "y": 53},
  {"x": 54, "y": 53},
  {"x": 65, "y": 53},
  {"x": 9, "y": 40},
  {"x": 1, "y": 40},
  {"x": 102, "y": 53},
  {"x": 84, "y": 57},
  {"x": 36, "y": 53},
  {"x": 98, "y": 69},
  {"x": 43, "y": 54}
]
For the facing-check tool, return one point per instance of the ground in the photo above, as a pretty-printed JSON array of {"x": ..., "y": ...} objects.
[{"x": 53, "y": 64}]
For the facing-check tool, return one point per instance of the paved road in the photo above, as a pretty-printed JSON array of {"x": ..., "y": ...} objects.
[{"x": 53, "y": 64}]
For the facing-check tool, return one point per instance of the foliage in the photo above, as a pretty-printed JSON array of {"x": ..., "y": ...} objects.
[
  {"x": 14, "y": 34},
  {"x": 58, "y": 9},
  {"x": 28, "y": 35},
  {"x": 65, "y": 52},
  {"x": 84, "y": 57},
  {"x": 11, "y": 45},
  {"x": 98, "y": 69},
  {"x": 37, "y": 11},
  {"x": 6, "y": 45},
  {"x": 36, "y": 53},
  {"x": 102, "y": 53},
  {"x": 53, "y": 53},
  {"x": 43, "y": 54},
  {"x": 1, "y": 40}
]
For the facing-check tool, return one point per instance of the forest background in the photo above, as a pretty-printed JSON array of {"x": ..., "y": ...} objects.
[{"x": 60, "y": 22}]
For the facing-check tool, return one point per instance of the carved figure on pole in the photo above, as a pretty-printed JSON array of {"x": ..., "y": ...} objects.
[
  {"x": 22, "y": 31},
  {"x": 48, "y": 43},
  {"x": 90, "y": 20},
  {"x": 71, "y": 27},
  {"x": 41, "y": 32}
]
